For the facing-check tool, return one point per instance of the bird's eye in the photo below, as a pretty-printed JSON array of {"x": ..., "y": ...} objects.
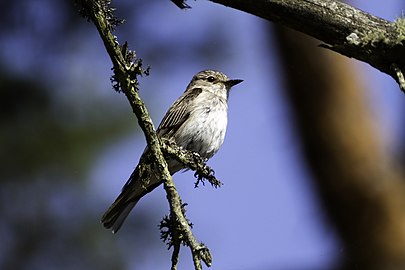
[{"x": 211, "y": 79}]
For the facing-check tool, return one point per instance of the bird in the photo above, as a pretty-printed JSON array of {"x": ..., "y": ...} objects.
[{"x": 196, "y": 121}]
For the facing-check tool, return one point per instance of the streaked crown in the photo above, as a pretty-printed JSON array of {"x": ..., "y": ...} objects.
[{"x": 213, "y": 81}]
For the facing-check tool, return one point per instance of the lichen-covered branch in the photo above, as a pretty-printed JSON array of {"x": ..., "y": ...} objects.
[
  {"x": 343, "y": 28},
  {"x": 192, "y": 161},
  {"x": 172, "y": 232},
  {"x": 126, "y": 70}
]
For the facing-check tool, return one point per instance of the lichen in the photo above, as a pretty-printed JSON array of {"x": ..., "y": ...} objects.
[
  {"x": 353, "y": 39},
  {"x": 399, "y": 25},
  {"x": 376, "y": 37}
]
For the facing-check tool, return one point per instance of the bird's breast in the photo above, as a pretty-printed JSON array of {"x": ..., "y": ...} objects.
[{"x": 204, "y": 131}]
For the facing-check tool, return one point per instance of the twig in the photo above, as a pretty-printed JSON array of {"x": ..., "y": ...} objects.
[
  {"x": 192, "y": 161},
  {"x": 175, "y": 255},
  {"x": 181, "y": 4}
]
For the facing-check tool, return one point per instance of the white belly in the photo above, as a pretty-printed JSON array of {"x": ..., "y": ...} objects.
[{"x": 204, "y": 131}]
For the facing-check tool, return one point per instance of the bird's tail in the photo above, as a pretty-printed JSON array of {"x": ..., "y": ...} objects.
[
  {"x": 131, "y": 193},
  {"x": 115, "y": 216}
]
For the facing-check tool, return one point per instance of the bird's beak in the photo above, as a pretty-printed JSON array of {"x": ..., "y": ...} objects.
[{"x": 231, "y": 83}]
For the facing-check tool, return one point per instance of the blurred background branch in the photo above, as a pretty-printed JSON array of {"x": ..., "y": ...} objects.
[{"x": 362, "y": 190}]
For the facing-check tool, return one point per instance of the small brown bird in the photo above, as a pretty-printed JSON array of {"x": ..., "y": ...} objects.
[{"x": 196, "y": 121}]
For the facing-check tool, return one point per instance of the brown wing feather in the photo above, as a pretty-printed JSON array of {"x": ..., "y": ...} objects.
[{"x": 177, "y": 114}]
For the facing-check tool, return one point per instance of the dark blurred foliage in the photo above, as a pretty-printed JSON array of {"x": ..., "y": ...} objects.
[
  {"x": 48, "y": 220},
  {"x": 51, "y": 132},
  {"x": 43, "y": 166}
]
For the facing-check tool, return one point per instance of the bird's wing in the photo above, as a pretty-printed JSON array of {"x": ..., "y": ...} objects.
[{"x": 177, "y": 114}]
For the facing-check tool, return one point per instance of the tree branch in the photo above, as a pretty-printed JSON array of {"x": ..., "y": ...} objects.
[
  {"x": 126, "y": 69},
  {"x": 345, "y": 29}
]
